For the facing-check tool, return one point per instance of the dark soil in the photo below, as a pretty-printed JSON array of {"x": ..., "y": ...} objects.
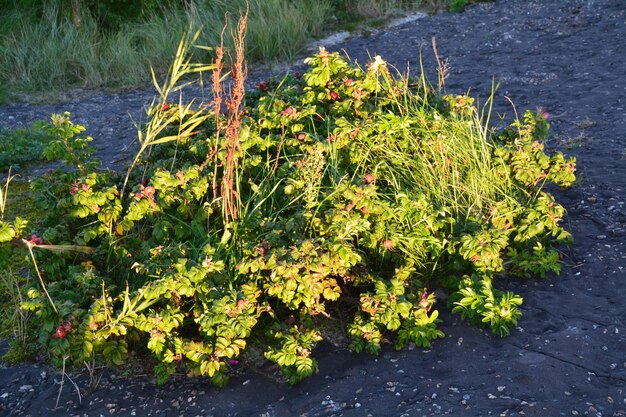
[{"x": 568, "y": 355}]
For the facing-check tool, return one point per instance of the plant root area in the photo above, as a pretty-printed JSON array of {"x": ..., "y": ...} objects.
[{"x": 567, "y": 357}]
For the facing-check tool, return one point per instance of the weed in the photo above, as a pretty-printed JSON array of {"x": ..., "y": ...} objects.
[
  {"x": 585, "y": 123},
  {"x": 573, "y": 142},
  {"x": 460, "y": 5}
]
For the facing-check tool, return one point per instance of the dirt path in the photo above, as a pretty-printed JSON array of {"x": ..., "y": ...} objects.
[{"x": 568, "y": 355}]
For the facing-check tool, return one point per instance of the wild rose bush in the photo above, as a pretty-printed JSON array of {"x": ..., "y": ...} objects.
[{"x": 360, "y": 195}]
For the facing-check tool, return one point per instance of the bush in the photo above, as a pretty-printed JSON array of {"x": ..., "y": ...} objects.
[{"x": 342, "y": 192}]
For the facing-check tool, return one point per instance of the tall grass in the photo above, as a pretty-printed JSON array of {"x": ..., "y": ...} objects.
[
  {"x": 447, "y": 160},
  {"x": 52, "y": 53}
]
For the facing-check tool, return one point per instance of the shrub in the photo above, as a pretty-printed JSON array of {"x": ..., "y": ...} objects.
[{"x": 342, "y": 192}]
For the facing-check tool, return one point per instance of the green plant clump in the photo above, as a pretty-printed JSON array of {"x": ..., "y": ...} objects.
[
  {"x": 460, "y": 5},
  {"x": 20, "y": 147},
  {"x": 344, "y": 195}
]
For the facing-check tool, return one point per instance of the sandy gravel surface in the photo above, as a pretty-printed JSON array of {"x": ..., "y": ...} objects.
[{"x": 568, "y": 355}]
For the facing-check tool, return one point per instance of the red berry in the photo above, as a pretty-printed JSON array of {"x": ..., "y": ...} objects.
[
  {"x": 165, "y": 107},
  {"x": 388, "y": 244},
  {"x": 334, "y": 95},
  {"x": 290, "y": 112},
  {"x": 60, "y": 333},
  {"x": 149, "y": 191},
  {"x": 35, "y": 240},
  {"x": 301, "y": 137},
  {"x": 263, "y": 86},
  {"x": 369, "y": 178}
]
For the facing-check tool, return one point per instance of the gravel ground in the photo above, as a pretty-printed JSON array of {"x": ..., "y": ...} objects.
[{"x": 568, "y": 355}]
